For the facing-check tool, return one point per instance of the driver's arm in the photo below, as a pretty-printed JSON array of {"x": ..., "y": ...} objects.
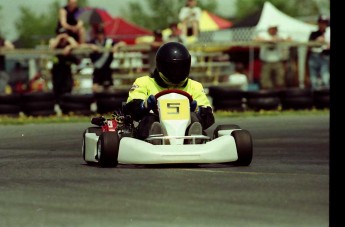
[
  {"x": 134, "y": 105},
  {"x": 204, "y": 109}
]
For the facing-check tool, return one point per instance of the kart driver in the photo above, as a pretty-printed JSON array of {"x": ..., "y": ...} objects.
[{"x": 173, "y": 63}]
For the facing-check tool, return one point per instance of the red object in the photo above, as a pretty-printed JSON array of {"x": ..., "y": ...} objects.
[
  {"x": 116, "y": 28},
  {"x": 120, "y": 29},
  {"x": 94, "y": 16},
  {"x": 221, "y": 23},
  {"x": 110, "y": 126}
]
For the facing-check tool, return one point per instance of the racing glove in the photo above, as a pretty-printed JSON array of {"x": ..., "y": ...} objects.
[
  {"x": 205, "y": 116},
  {"x": 193, "y": 106},
  {"x": 150, "y": 103}
]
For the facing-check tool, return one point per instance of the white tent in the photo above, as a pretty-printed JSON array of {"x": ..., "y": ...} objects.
[{"x": 298, "y": 30}]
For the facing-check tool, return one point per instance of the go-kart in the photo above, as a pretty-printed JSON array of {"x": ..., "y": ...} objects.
[{"x": 113, "y": 141}]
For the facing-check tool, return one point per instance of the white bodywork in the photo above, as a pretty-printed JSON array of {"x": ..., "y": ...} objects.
[
  {"x": 134, "y": 151},
  {"x": 173, "y": 150}
]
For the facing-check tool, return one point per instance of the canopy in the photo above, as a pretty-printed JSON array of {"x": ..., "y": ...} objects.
[
  {"x": 261, "y": 20},
  {"x": 297, "y": 29},
  {"x": 212, "y": 22},
  {"x": 93, "y": 16},
  {"x": 120, "y": 29}
]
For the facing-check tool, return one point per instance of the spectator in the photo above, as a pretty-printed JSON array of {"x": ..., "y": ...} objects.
[
  {"x": 4, "y": 77},
  {"x": 62, "y": 77},
  {"x": 318, "y": 57},
  {"x": 174, "y": 34},
  {"x": 102, "y": 73},
  {"x": 189, "y": 16},
  {"x": 272, "y": 57},
  {"x": 68, "y": 20},
  {"x": 238, "y": 79},
  {"x": 173, "y": 63}
]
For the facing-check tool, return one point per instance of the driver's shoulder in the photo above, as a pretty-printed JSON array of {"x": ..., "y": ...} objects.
[
  {"x": 144, "y": 79},
  {"x": 195, "y": 84}
]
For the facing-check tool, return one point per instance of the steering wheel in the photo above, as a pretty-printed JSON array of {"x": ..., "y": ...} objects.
[{"x": 164, "y": 92}]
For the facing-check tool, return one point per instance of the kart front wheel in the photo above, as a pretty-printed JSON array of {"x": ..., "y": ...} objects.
[
  {"x": 244, "y": 147},
  {"x": 108, "y": 149}
]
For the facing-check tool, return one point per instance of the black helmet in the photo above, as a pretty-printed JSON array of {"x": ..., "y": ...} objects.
[{"x": 173, "y": 61}]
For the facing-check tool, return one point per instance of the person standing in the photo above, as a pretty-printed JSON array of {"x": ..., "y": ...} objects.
[
  {"x": 4, "y": 77},
  {"x": 62, "y": 77},
  {"x": 272, "y": 56},
  {"x": 102, "y": 73},
  {"x": 68, "y": 20},
  {"x": 318, "y": 57}
]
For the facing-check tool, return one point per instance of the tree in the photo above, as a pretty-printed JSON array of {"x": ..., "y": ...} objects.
[
  {"x": 1, "y": 23},
  {"x": 294, "y": 8},
  {"x": 33, "y": 28},
  {"x": 158, "y": 14}
]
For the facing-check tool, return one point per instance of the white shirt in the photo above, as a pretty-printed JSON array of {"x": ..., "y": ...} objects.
[
  {"x": 328, "y": 36},
  {"x": 190, "y": 14},
  {"x": 274, "y": 53},
  {"x": 238, "y": 80}
]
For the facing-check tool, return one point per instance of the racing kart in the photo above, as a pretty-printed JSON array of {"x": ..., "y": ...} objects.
[{"x": 113, "y": 141}]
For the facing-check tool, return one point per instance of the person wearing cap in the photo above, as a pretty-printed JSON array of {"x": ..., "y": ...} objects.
[
  {"x": 173, "y": 62},
  {"x": 272, "y": 56},
  {"x": 318, "y": 57},
  {"x": 62, "y": 77},
  {"x": 102, "y": 72}
]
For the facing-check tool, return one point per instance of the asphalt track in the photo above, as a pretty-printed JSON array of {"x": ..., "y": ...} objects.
[{"x": 44, "y": 181}]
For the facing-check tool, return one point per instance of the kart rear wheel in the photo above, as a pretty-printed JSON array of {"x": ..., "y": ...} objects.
[
  {"x": 224, "y": 127},
  {"x": 108, "y": 149},
  {"x": 244, "y": 147},
  {"x": 98, "y": 131}
]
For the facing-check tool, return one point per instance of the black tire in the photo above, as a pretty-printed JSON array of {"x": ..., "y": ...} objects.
[
  {"x": 297, "y": 98},
  {"x": 76, "y": 108},
  {"x": 10, "y": 99},
  {"x": 321, "y": 99},
  {"x": 297, "y": 103},
  {"x": 224, "y": 92},
  {"x": 109, "y": 105},
  {"x": 236, "y": 104},
  {"x": 78, "y": 98},
  {"x": 322, "y": 102},
  {"x": 262, "y": 94},
  {"x": 38, "y": 96},
  {"x": 40, "y": 113},
  {"x": 98, "y": 131},
  {"x": 263, "y": 103},
  {"x": 37, "y": 106},
  {"x": 224, "y": 127},
  {"x": 9, "y": 110},
  {"x": 296, "y": 92},
  {"x": 116, "y": 94},
  {"x": 244, "y": 145},
  {"x": 108, "y": 145}
]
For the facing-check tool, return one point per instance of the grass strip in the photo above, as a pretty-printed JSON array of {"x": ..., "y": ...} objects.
[{"x": 71, "y": 118}]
